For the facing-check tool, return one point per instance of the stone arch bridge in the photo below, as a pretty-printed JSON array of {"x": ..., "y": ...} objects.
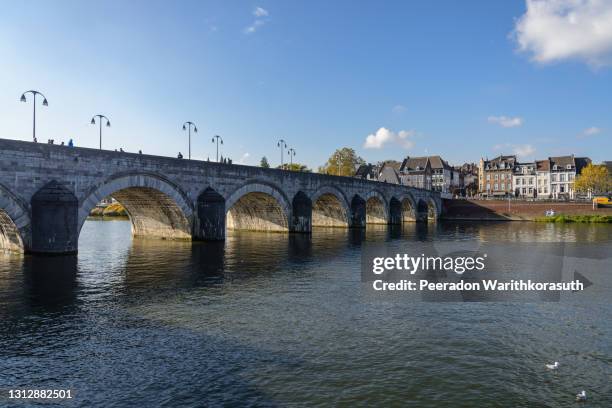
[{"x": 47, "y": 192}]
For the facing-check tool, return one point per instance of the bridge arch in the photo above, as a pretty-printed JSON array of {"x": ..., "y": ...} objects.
[
  {"x": 330, "y": 208},
  {"x": 15, "y": 222},
  {"x": 258, "y": 206},
  {"x": 377, "y": 209},
  {"x": 409, "y": 211},
  {"x": 156, "y": 206},
  {"x": 427, "y": 209}
]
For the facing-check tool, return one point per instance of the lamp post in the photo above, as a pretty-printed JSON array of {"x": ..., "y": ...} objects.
[
  {"x": 283, "y": 145},
  {"x": 218, "y": 139},
  {"x": 291, "y": 153},
  {"x": 93, "y": 122},
  {"x": 45, "y": 103},
  {"x": 187, "y": 126}
]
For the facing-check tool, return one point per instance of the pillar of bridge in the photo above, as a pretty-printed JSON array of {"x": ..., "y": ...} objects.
[
  {"x": 358, "y": 212},
  {"x": 209, "y": 224},
  {"x": 301, "y": 218},
  {"x": 395, "y": 211},
  {"x": 54, "y": 220}
]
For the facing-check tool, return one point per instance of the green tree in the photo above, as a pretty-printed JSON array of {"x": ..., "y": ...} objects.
[
  {"x": 295, "y": 167},
  {"x": 594, "y": 179},
  {"x": 264, "y": 163},
  {"x": 343, "y": 162}
]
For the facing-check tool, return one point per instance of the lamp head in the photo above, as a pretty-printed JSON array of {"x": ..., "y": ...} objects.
[
  {"x": 184, "y": 128},
  {"x": 107, "y": 123},
  {"x": 45, "y": 103},
  {"x": 23, "y": 98},
  {"x": 93, "y": 121},
  {"x": 195, "y": 129},
  {"x": 221, "y": 141}
]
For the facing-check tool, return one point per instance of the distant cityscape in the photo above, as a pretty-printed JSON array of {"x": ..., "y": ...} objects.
[{"x": 501, "y": 177}]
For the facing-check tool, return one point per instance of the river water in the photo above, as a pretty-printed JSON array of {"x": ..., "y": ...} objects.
[{"x": 277, "y": 320}]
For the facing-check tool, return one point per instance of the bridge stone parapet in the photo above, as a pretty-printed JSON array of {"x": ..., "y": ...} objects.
[{"x": 47, "y": 192}]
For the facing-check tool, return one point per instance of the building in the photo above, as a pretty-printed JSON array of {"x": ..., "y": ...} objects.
[
  {"x": 367, "y": 172},
  {"x": 495, "y": 176},
  {"x": 416, "y": 172},
  {"x": 563, "y": 171},
  {"x": 543, "y": 178},
  {"x": 442, "y": 175},
  {"x": 524, "y": 178},
  {"x": 389, "y": 172},
  {"x": 468, "y": 179}
]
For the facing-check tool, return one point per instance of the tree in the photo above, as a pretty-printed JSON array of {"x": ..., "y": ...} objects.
[
  {"x": 264, "y": 163},
  {"x": 593, "y": 179},
  {"x": 343, "y": 162},
  {"x": 295, "y": 167}
]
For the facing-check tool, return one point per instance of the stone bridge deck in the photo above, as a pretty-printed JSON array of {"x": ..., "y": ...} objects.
[{"x": 47, "y": 192}]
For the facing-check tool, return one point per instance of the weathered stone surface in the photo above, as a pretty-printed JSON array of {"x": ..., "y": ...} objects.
[{"x": 166, "y": 197}]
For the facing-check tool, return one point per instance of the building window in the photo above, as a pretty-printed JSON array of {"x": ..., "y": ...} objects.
[
  {"x": 503, "y": 186},
  {"x": 562, "y": 177},
  {"x": 488, "y": 177},
  {"x": 495, "y": 186},
  {"x": 553, "y": 177},
  {"x": 530, "y": 181}
]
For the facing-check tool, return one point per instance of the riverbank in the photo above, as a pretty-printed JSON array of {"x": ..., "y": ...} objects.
[
  {"x": 514, "y": 210},
  {"x": 110, "y": 211},
  {"x": 600, "y": 219}
]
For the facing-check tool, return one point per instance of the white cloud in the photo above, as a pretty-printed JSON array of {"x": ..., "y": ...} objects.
[
  {"x": 523, "y": 150},
  {"x": 506, "y": 121},
  {"x": 385, "y": 136},
  {"x": 398, "y": 109},
  {"x": 590, "y": 131},
  {"x": 260, "y": 12},
  {"x": 555, "y": 30},
  {"x": 244, "y": 158}
]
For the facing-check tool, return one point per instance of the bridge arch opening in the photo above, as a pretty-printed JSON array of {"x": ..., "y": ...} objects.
[
  {"x": 10, "y": 239},
  {"x": 409, "y": 210},
  {"x": 375, "y": 210},
  {"x": 328, "y": 211},
  {"x": 155, "y": 206},
  {"x": 432, "y": 210},
  {"x": 257, "y": 207},
  {"x": 14, "y": 223}
]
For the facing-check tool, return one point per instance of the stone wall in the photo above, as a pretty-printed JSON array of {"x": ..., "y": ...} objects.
[{"x": 495, "y": 210}]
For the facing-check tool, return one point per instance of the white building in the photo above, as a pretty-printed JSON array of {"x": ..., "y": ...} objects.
[{"x": 524, "y": 180}]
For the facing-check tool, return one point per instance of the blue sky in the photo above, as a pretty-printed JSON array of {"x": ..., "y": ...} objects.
[{"x": 459, "y": 79}]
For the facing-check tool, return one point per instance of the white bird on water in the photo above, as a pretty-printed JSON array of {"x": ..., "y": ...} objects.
[
  {"x": 581, "y": 396},
  {"x": 553, "y": 366}
]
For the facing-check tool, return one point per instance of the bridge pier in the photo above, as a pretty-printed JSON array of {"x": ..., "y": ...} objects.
[
  {"x": 54, "y": 220},
  {"x": 209, "y": 222},
  {"x": 358, "y": 212},
  {"x": 301, "y": 218}
]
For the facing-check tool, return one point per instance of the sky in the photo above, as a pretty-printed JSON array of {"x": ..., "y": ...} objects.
[{"x": 390, "y": 79}]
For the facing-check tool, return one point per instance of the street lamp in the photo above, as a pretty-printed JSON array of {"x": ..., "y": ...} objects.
[
  {"x": 45, "y": 103},
  {"x": 195, "y": 130},
  {"x": 93, "y": 122},
  {"x": 291, "y": 153},
  {"x": 218, "y": 139},
  {"x": 283, "y": 145}
]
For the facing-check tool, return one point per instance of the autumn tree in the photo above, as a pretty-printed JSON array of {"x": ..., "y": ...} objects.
[
  {"x": 593, "y": 179},
  {"x": 295, "y": 167},
  {"x": 343, "y": 162}
]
